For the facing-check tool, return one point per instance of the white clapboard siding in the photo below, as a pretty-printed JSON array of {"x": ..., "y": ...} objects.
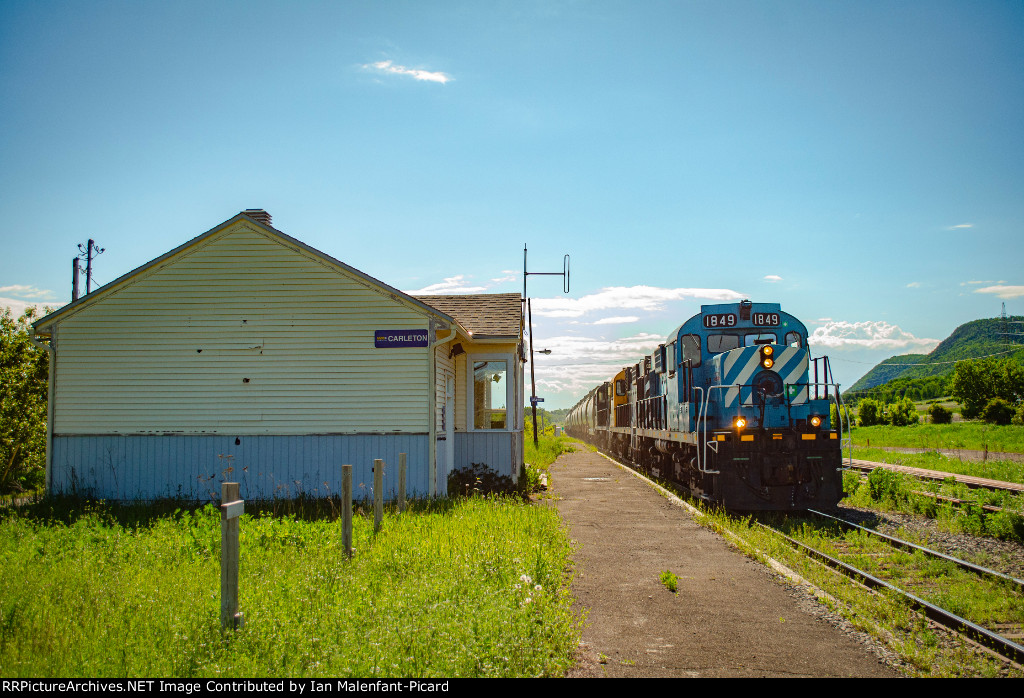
[{"x": 241, "y": 334}]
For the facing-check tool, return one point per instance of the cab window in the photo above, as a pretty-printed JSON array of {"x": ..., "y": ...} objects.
[
  {"x": 717, "y": 343},
  {"x": 760, "y": 338},
  {"x": 793, "y": 339},
  {"x": 691, "y": 349}
]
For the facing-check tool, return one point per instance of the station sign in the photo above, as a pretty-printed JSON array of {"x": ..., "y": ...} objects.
[{"x": 396, "y": 339}]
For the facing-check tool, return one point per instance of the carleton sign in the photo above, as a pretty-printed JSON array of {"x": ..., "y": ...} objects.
[{"x": 393, "y": 339}]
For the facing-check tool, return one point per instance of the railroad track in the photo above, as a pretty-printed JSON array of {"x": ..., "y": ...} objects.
[
  {"x": 1002, "y": 632},
  {"x": 968, "y": 480}
]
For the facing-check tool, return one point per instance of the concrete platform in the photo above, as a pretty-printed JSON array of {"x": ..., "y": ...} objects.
[{"x": 730, "y": 617}]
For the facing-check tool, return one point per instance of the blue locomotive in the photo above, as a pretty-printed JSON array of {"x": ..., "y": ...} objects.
[{"x": 732, "y": 407}]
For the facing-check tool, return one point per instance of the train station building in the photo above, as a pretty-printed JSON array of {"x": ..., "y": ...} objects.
[{"x": 246, "y": 355}]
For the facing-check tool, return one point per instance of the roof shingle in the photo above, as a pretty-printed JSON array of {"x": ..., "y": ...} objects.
[{"x": 485, "y": 314}]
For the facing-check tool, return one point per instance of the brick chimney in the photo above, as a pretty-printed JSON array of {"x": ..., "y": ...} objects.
[{"x": 258, "y": 214}]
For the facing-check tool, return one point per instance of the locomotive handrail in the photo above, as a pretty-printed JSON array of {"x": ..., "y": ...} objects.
[{"x": 702, "y": 427}]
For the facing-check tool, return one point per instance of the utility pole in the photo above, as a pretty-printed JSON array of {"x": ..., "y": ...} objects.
[
  {"x": 86, "y": 252},
  {"x": 526, "y": 301},
  {"x": 75, "y": 271}
]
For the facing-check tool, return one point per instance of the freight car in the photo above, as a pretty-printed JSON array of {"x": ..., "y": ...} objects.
[{"x": 732, "y": 407}]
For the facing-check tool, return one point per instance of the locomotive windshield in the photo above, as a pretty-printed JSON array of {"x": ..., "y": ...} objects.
[{"x": 718, "y": 343}]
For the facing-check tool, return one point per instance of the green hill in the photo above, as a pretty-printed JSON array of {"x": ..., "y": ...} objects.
[{"x": 971, "y": 340}]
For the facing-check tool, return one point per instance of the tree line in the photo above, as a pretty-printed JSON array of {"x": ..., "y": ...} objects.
[
  {"x": 991, "y": 389},
  {"x": 24, "y": 371}
]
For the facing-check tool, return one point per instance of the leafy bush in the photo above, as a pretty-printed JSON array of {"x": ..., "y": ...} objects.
[
  {"x": 479, "y": 478},
  {"x": 902, "y": 413},
  {"x": 869, "y": 412},
  {"x": 976, "y": 382},
  {"x": 887, "y": 486},
  {"x": 940, "y": 415},
  {"x": 1018, "y": 417},
  {"x": 998, "y": 411}
]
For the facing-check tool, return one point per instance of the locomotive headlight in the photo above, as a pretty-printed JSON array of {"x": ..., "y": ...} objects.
[
  {"x": 815, "y": 421},
  {"x": 739, "y": 422},
  {"x": 767, "y": 356}
]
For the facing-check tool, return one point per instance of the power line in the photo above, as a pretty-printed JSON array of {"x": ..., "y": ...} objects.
[{"x": 933, "y": 363}]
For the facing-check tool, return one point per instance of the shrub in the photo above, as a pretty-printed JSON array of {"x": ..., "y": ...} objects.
[
  {"x": 940, "y": 415},
  {"x": 902, "y": 413},
  {"x": 479, "y": 478},
  {"x": 869, "y": 412},
  {"x": 998, "y": 411},
  {"x": 886, "y": 485},
  {"x": 1018, "y": 418}
]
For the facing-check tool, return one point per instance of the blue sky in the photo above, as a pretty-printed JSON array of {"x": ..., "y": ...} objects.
[{"x": 861, "y": 163}]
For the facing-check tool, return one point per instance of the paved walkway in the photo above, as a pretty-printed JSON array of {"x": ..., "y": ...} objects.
[{"x": 730, "y": 617}]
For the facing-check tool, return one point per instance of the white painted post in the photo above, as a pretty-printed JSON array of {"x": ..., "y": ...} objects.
[
  {"x": 346, "y": 509},
  {"x": 401, "y": 482},
  {"x": 230, "y": 509},
  {"x": 378, "y": 493}
]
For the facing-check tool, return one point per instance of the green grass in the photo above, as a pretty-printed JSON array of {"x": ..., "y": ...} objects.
[
  {"x": 887, "y": 490},
  {"x": 994, "y": 469},
  {"x": 960, "y": 435},
  {"x": 469, "y": 587}
]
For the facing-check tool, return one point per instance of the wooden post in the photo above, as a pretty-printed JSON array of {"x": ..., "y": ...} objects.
[
  {"x": 346, "y": 509},
  {"x": 378, "y": 493},
  {"x": 231, "y": 508},
  {"x": 401, "y": 482}
]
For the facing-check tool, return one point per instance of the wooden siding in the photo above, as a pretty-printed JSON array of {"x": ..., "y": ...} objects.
[
  {"x": 495, "y": 449},
  {"x": 192, "y": 467},
  {"x": 242, "y": 334}
]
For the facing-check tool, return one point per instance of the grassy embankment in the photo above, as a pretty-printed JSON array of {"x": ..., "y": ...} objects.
[
  {"x": 465, "y": 587},
  {"x": 891, "y": 491}
]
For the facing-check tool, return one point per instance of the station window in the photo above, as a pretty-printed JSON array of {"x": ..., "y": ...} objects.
[{"x": 490, "y": 394}]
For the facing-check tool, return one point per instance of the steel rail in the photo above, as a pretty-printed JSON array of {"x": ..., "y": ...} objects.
[
  {"x": 939, "y": 476},
  {"x": 983, "y": 636},
  {"x": 907, "y": 545}
]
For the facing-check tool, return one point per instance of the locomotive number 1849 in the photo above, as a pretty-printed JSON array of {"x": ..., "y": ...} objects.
[
  {"x": 766, "y": 319},
  {"x": 720, "y": 320}
]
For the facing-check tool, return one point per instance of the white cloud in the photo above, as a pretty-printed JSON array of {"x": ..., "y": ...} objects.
[
  {"x": 622, "y": 320},
  {"x": 390, "y": 68},
  {"x": 28, "y": 292},
  {"x": 962, "y": 225},
  {"x": 1004, "y": 292},
  {"x": 914, "y": 284},
  {"x": 577, "y": 364},
  {"x": 645, "y": 298},
  {"x": 18, "y": 306},
  {"x": 451, "y": 285},
  {"x": 876, "y": 334},
  {"x": 773, "y": 278}
]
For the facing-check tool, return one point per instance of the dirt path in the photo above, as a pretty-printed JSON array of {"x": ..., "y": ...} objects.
[{"x": 730, "y": 618}]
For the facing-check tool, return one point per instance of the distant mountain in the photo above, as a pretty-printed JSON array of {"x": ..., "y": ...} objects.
[{"x": 971, "y": 340}]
